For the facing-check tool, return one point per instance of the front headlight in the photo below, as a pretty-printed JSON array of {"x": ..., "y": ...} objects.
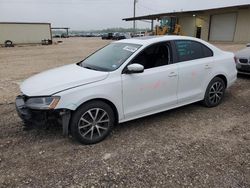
[{"x": 42, "y": 103}]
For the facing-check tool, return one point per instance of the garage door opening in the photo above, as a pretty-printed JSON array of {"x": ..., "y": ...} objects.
[{"x": 222, "y": 27}]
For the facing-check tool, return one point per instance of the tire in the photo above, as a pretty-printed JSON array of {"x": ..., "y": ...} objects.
[
  {"x": 215, "y": 92},
  {"x": 8, "y": 43},
  {"x": 92, "y": 122}
]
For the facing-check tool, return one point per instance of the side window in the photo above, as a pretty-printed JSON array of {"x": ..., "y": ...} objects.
[
  {"x": 154, "y": 56},
  {"x": 207, "y": 51},
  {"x": 190, "y": 50}
]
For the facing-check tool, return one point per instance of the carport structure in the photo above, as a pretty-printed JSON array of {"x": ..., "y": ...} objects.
[
  {"x": 64, "y": 28},
  {"x": 226, "y": 24},
  {"x": 151, "y": 18}
]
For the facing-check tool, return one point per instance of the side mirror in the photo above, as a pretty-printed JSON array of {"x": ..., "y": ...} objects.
[{"x": 135, "y": 68}]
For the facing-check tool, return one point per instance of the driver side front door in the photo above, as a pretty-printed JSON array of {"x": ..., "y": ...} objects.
[{"x": 155, "y": 89}]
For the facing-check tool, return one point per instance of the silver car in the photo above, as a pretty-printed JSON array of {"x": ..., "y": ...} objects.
[{"x": 242, "y": 59}]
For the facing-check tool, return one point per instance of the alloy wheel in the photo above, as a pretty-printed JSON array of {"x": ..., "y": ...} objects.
[
  {"x": 216, "y": 93},
  {"x": 94, "y": 123}
]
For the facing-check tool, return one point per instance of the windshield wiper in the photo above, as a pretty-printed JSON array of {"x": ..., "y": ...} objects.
[{"x": 91, "y": 68}]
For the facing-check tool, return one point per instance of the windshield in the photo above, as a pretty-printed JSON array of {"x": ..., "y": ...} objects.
[{"x": 111, "y": 57}]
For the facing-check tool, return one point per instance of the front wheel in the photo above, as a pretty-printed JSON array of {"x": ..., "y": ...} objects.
[
  {"x": 92, "y": 122},
  {"x": 214, "y": 92}
]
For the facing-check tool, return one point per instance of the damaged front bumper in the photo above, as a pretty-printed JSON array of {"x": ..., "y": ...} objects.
[{"x": 36, "y": 117}]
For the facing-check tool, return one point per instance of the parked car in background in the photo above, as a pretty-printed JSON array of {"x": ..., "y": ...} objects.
[
  {"x": 139, "y": 34},
  {"x": 104, "y": 36},
  {"x": 243, "y": 60},
  {"x": 64, "y": 35},
  {"x": 107, "y": 36},
  {"x": 57, "y": 36},
  {"x": 126, "y": 80},
  {"x": 120, "y": 36},
  {"x": 115, "y": 36}
]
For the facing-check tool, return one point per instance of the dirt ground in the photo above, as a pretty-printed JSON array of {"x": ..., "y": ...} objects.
[{"x": 191, "y": 146}]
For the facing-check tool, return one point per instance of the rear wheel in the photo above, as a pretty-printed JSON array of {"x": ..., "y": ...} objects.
[
  {"x": 215, "y": 92},
  {"x": 92, "y": 122}
]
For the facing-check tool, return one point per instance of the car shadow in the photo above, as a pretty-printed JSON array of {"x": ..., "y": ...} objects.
[
  {"x": 54, "y": 131},
  {"x": 44, "y": 131},
  {"x": 243, "y": 76},
  {"x": 149, "y": 121}
]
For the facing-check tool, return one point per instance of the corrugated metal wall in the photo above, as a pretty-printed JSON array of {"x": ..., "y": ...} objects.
[
  {"x": 187, "y": 25},
  {"x": 203, "y": 20},
  {"x": 24, "y": 33},
  {"x": 223, "y": 26},
  {"x": 242, "y": 33}
]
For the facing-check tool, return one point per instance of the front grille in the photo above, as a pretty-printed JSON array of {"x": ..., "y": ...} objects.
[
  {"x": 243, "y": 60},
  {"x": 245, "y": 68}
]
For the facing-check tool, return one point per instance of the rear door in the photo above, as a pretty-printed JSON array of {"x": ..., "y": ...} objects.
[{"x": 194, "y": 61}]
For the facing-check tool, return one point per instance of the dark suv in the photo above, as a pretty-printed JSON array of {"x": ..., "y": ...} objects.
[
  {"x": 120, "y": 36},
  {"x": 107, "y": 36}
]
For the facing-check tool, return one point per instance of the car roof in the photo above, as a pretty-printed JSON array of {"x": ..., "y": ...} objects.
[{"x": 146, "y": 40}]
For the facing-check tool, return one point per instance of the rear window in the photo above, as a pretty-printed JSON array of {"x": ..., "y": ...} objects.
[
  {"x": 190, "y": 50},
  {"x": 207, "y": 51}
]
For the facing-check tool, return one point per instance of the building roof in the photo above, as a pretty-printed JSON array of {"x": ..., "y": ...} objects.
[
  {"x": 173, "y": 14},
  {"x": 25, "y": 23}
]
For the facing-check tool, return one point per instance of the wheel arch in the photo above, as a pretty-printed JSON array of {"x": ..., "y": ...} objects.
[
  {"x": 220, "y": 75},
  {"x": 111, "y": 104},
  {"x": 223, "y": 77},
  {"x": 207, "y": 102}
]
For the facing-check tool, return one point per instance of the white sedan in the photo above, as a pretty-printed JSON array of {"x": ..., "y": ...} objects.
[{"x": 125, "y": 80}]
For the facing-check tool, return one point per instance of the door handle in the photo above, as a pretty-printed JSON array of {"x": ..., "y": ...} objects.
[
  {"x": 172, "y": 74},
  {"x": 207, "y": 67}
]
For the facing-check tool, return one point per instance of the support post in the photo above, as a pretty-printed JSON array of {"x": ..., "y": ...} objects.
[
  {"x": 152, "y": 25},
  {"x": 134, "y": 16}
]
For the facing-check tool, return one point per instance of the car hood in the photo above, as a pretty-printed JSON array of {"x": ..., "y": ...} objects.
[
  {"x": 58, "y": 79},
  {"x": 244, "y": 53}
]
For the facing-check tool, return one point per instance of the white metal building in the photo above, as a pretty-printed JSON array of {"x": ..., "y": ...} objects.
[
  {"x": 24, "y": 33},
  {"x": 228, "y": 24},
  {"x": 223, "y": 24}
]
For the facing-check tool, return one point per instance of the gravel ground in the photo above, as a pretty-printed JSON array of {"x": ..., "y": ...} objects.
[{"x": 191, "y": 146}]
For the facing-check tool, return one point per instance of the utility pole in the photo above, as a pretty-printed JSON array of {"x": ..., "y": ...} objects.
[{"x": 135, "y": 1}]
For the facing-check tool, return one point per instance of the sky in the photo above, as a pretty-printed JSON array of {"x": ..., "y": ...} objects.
[{"x": 97, "y": 14}]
